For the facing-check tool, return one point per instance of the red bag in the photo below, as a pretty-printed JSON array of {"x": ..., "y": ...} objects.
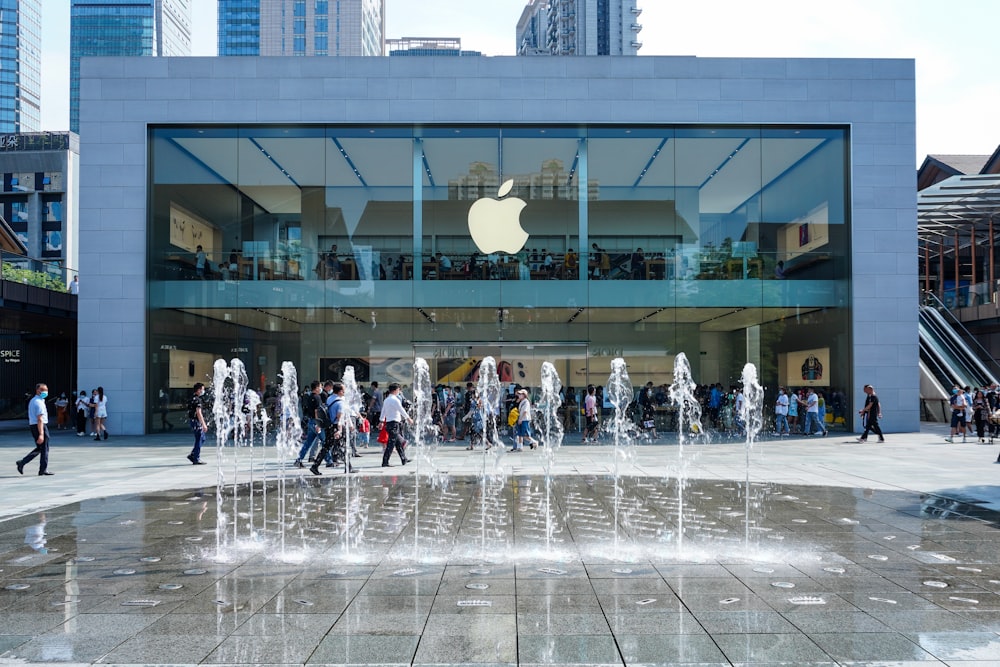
[
  {"x": 366, "y": 426},
  {"x": 383, "y": 435}
]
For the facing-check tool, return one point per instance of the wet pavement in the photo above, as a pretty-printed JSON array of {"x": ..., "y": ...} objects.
[{"x": 820, "y": 552}]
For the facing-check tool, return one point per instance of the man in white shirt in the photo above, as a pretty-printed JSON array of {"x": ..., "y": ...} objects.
[
  {"x": 812, "y": 413},
  {"x": 38, "y": 420},
  {"x": 74, "y": 286},
  {"x": 781, "y": 413},
  {"x": 392, "y": 416}
]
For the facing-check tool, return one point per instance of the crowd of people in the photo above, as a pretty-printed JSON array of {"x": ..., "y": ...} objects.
[{"x": 977, "y": 409}]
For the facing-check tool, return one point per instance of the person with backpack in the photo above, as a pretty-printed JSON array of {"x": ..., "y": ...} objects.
[
  {"x": 332, "y": 418},
  {"x": 311, "y": 403}
]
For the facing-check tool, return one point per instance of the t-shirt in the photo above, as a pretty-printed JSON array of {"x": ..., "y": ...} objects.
[
  {"x": 590, "y": 405},
  {"x": 194, "y": 405},
  {"x": 812, "y": 403},
  {"x": 309, "y": 405},
  {"x": 781, "y": 405},
  {"x": 873, "y": 408},
  {"x": 524, "y": 410},
  {"x": 958, "y": 404},
  {"x": 334, "y": 408}
]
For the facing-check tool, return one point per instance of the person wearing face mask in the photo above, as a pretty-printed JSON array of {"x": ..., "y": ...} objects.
[
  {"x": 781, "y": 414},
  {"x": 196, "y": 420},
  {"x": 38, "y": 420}
]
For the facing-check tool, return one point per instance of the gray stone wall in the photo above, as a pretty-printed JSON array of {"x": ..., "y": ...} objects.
[{"x": 121, "y": 96}]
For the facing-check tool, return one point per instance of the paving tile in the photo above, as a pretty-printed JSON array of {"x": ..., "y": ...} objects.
[
  {"x": 794, "y": 648},
  {"x": 568, "y": 650},
  {"x": 670, "y": 650},
  {"x": 365, "y": 650},
  {"x": 152, "y": 649},
  {"x": 870, "y": 646}
]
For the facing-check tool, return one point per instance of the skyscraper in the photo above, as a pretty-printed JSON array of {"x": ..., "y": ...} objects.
[
  {"x": 301, "y": 27},
  {"x": 124, "y": 28},
  {"x": 20, "y": 65},
  {"x": 239, "y": 27},
  {"x": 579, "y": 28}
]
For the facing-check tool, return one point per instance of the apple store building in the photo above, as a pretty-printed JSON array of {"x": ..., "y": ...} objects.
[{"x": 364, "y": 212}]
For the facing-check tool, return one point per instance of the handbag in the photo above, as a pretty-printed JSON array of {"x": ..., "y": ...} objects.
[{"x": 383, "y": 434}]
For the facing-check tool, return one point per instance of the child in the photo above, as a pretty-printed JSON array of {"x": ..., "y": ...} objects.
[{"x": 364, "y": 432}]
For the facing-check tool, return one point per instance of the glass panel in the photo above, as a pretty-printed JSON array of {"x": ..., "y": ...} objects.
[{"x": 307, "y": 231}]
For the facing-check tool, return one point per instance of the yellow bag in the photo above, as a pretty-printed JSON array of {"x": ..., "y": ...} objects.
[{"x": 512, "y": 417}]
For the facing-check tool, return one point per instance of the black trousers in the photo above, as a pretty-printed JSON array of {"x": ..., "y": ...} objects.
[
  {"x": 332, "y": 443},
  {"x": 81, "y": 421},
  {"x": 396, "y": 442},
  {"x": 39, "y": 450},
  {"x": 871, "y": 424}
]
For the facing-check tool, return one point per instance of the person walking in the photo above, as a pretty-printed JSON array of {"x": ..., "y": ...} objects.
[
  {"x": 959, "y": 414},
  {"x": 82, "y": 405},
  {"x": 335, "y": 425},
  {"x": 812, "y": 414},
  {"x": 781, "y": 414},
  {"x": 312, "y": 403},
  {"x": 870, "y": 414},
  {"x": 523, "y": 432},
  {"x": 38, "y": 421},
  {"x": 196, "y": 419},
  {"x": 392, "y": 417},
  {"x": 981, "y": 414}
]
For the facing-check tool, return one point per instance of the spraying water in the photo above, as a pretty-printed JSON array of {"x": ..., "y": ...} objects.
[
  {"x": 688, "y": 421},
  {"x": 289, "y": 435},
  {"x": 423, "y": 423},
  {"x": 751, "y": 412},
  {"x": 487, "y": 410},
  {"x": 620, "y": 394},
  {"x": 552, "y": 437}
]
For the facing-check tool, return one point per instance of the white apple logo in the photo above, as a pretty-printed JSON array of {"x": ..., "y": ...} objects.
[{"x": 495, "y": 224}]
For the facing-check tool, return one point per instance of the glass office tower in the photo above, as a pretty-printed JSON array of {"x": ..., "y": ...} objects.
[
  {"x": 356, "y": 245},
  {"x": 239, "y": 27},
  {"x": 124, "y": 28},
  {"x": 301, "y": 28},
  {"x": 20, "y": 66}
]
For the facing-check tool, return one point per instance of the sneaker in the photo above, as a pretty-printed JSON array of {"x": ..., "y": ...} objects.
[
  {"x": 861, "y": 440},
  {"x": 80, "y": 435},
  {"x": 881, "y": 439},
  {"x": 948, "y": 440},
  {"x": 192, "y": 459},
  {"x": 825, "y": 433}
]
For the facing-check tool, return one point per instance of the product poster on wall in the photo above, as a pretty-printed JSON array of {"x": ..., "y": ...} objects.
[{"x": 805, "y": 368}]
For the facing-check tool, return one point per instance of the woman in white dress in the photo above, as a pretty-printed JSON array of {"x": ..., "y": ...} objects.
[{"x": 100, "y": 406}]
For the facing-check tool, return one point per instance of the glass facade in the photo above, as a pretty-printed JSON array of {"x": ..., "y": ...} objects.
[
  {"x": 335, "y": 245},
  {"x": 20, "y": 66},
  {"x": 301, "y": 28},
  {"x": 239, "y": 27},
  {"x": 124, "y": 28}
]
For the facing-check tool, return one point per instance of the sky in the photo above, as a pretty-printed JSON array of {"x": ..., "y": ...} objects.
[{"x": 957, "y": 82}]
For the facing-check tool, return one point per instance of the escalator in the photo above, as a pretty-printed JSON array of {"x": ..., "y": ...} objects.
[{"x": 947, "y": 360}]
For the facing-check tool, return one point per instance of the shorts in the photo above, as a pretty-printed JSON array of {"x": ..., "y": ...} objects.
[
  {"x": 449, "y": 419},
  {"x": 957, "y": 419},
  {"x": 523, "y": 429},
  {"x": 591, "y": 423}
]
